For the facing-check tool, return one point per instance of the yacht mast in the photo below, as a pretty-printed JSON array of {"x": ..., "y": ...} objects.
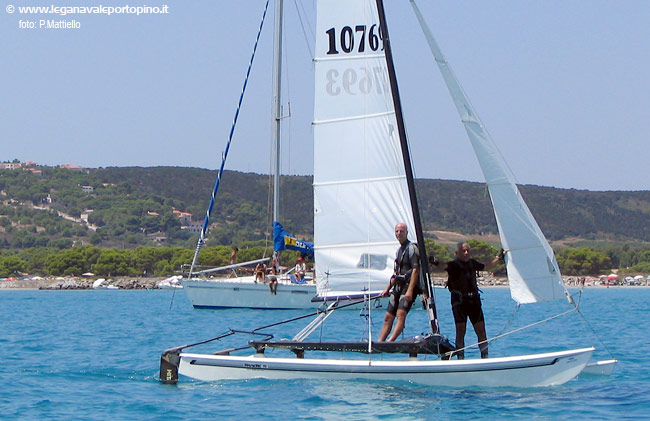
[{"x": 277, "y": 105}]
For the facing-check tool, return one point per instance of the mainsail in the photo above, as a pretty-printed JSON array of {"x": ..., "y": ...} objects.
[
  {"x": 360, "y": 189},
  {"x": 533, "y": 272}
]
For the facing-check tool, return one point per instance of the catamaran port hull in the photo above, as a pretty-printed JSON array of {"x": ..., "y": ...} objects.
[{"x": 536, "y": 370}]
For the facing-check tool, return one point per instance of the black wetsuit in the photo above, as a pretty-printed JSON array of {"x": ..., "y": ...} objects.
[
  {"x": 407, "y": 258},
  {"x": 465, "y": 299}
]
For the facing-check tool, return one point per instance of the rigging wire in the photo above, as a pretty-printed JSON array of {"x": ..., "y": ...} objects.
[
  {"x": 213, "y": 196},
  {"x": 593, "y": 331},
  {"x": 489, "y": 340},
  {"x": 302, "y": 24},
  {"x": 201, "y": 240},
  {"x": 286, "y": 127},
  {"x": 509, "y": 322},
  {"x": 576, "y": 308}
]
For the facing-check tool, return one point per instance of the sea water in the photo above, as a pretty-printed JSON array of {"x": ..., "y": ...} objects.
[{"x": 95, "y": 355}]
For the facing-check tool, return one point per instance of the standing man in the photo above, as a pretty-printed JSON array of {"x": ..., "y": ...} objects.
[
  {"x": 233, "y": 260},
  {"x": 465, "y": 298},
  {"x": 404, "y": 282}
]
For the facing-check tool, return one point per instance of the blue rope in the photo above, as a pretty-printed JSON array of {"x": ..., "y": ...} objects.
[{"x": 225, "y": 153}]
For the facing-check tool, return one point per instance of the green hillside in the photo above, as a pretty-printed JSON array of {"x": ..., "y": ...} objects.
[{"x": 134, "y": 206}]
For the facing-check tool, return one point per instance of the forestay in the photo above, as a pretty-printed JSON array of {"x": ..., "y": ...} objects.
[
  {"x": 360, "y": 189},
  {"x": 533, "y": 272}
]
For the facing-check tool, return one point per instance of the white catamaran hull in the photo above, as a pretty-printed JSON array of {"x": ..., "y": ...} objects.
[
  {"x": 547, "y": 369},
  {"x": 243, "y": 292}
]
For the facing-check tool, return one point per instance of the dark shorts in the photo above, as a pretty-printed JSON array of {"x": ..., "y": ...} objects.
[
  {"x": 397, "y": 300},
  {"x": 464, "y": 306}
]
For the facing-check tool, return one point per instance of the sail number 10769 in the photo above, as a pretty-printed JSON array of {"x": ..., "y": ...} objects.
[{"x": 350, "y": 40}]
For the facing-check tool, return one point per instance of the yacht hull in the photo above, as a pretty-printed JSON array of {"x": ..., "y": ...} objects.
[{"x": 243, "y": 292}]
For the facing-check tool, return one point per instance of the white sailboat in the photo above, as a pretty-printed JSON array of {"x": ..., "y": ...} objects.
[
  {"x": 245, "y": 292},
  {"x": 208, "y": 292},
  {"x": 357, "y": 203}
]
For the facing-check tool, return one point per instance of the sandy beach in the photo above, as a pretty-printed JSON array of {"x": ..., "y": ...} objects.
[
  {"x": 75, "y": 283},
  {"x": 71, "y": 283}
]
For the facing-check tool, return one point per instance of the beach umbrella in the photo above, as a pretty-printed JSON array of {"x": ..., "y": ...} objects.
[
  {"x": 638, "y": 278},
  {"x": 87, "y": 274},
  {"x": 612, "y": 277}
]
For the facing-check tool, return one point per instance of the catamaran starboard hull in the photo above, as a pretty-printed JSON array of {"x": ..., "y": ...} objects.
[{"x": 547, "y": 369}]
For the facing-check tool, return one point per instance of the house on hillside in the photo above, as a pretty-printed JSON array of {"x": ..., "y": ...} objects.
[
  {"x": 185, "y": 218},
  {"x": 10, "y": 165},
  {"x": 85, "y": 214},
  {"x": 34, "y": 171},
  {"x": 71, "y": 167},
  {"x": 193, "y": 227},
  {"x": 47, "y": 200},
  {"x": 157, "y": 237}
]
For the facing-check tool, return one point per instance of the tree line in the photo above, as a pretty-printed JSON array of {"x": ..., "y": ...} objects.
[{"x": 164, "y": 261}]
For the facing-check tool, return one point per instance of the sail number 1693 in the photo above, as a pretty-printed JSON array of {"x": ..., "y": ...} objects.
[{"x": 349, "y": 40}]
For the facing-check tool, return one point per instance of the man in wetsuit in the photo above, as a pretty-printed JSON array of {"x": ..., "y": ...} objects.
[
  {"x": 465, "y": 298},
  {"x": 404, "y": 282}
]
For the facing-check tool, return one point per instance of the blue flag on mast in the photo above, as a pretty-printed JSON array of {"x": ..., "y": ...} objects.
[{"x": 282, "y": 240}]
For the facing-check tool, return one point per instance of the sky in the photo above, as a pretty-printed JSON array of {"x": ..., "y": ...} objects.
[{"x": 563, "y": 87}]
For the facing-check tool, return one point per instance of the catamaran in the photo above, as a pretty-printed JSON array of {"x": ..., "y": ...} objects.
[{"x": 358, "y": 200}]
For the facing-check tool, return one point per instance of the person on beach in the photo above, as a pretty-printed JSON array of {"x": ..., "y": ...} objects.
[
  {"x": 404, "y": 283},
  {"x": 465, "y": 298}
]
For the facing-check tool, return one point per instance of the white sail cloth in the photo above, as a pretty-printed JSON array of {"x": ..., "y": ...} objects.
[
  {"x": 533, "y": 272},
  {"x": 360, "y": 189}
]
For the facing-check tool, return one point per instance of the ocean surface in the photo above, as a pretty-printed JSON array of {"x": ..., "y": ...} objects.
[{"x": 94, "y": 355}]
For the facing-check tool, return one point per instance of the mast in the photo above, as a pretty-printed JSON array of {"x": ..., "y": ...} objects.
[
  {"x": 277, "y": 115},
  {"x": 277, "y": 106},
  {"x": 424, "y": 264}
]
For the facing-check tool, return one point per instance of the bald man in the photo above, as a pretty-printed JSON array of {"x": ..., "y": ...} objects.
[{"x": 404, "y": 284}]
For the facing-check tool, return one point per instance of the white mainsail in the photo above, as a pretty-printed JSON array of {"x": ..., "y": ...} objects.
[
  {"x": 360, "y": 189},
  {"x": 533, "y": 272}
]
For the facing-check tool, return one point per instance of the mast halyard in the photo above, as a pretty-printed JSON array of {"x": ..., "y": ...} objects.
[{"x": 424, "y": 264}]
